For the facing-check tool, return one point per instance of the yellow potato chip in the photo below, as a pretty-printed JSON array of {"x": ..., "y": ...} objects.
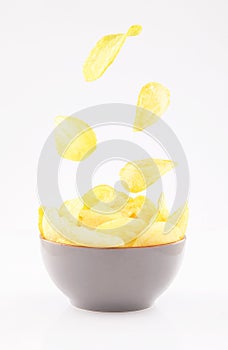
[
  {"x": 97, "y": 215},
  {"x": 113, "y": 224},
  {"x": 130, "y": 209},
  {"x": 75, "y": 140},
  {"x": 129, "y": 244},
  {"x": 49, "y": 231},
  {"x": 156, "y": 235},
  {"x": 40, "y": 219},
  {"x": 163, "y": 212},
  {"x": 153, "y": 100},
  {"x": 71, "y": 209},
  {"x": 60, "y": 230},
  {"x": 103, "y": 193},
  {"x": 105, "y": 52},
  {"x": 106, "y": 194},
  {"x": 140, "y": 207},
  {"x": 138, "y": 175},
  {"x": 180, "y": 218},
  {"x": 125, "y": 228}
]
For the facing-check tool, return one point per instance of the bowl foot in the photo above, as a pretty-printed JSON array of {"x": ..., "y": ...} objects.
[{"x": 110, "y": 308}]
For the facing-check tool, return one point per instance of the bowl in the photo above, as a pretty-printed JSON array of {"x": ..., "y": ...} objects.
[{"x": 112, "y": 279}]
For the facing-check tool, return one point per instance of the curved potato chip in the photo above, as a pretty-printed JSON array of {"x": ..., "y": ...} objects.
[
  {"x": 60, "y": 230},
  {"x": 40, "y": 219},
  {"x": 180, "y": 218},
  {"x": 75, "y": 140},
  {"x": 155, "y": 235},
  {"x": 49, "y": 231},
  {"x": 118, "y": 223},
  {"x": 105, "y": 52},
  {"x": 71, "y": 209},
  {"x": 163, "y": 212},
  {"x": 153, "y": 100},
  {"x": 91, "y": 218},
  {"x": 125, "y": 228},
  {"x": 140, "y": 207},
  {"x": 130, "y": 244},
  {"x": 106, "y": 194},
  {"x": 138, "y": 175}
]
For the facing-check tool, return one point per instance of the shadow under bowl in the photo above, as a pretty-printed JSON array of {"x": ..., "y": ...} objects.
[{"x": 112, "y": 279}]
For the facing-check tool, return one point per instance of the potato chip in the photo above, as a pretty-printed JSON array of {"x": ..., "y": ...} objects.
[
  {"x": 49, "y": 232},
  {"x": 105, "y": 52},
  {"x": 40, "y": 219},
  {"x": 138, "y": 175},
  {"x": 153, "y": 100},
  {"x": 163, "y": 212},
  {"x": 75, "y": 140},
  {"x": 71, "y": 209},
  {"x": 156, "y": 235},
  {"x": 125, "y": 228},
  {"x": 60, "y": 230},
  {"x": 91, "y": 218},
  {"x": 180, "y": 218},
  {"x": 113, "y": 224},
  {"x": 103, "y": 193},
  {"x": 106, "y": 194},
  {"x": 140, "y": 207},
  {"x": 130, "y": 244}
]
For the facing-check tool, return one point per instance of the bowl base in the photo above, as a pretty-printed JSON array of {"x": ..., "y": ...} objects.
[{"x": 110, "y": 308}]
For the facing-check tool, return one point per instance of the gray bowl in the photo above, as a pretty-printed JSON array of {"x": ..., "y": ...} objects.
[{"x": 112, "y": 279}]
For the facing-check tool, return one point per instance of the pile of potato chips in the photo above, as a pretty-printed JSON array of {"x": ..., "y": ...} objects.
[{"x": 105, "y": 217}]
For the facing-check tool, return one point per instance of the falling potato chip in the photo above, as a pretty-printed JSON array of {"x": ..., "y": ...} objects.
[
  {"x": 105, "y": 52},
  {"x": 153, "y": 100},
  {"x": 60, "y": 230},
  {"x": 159, "y": 233},
  {"x": 140, "y": 207},
  {"x": 163, "y": 212},
  {"x": 75, "y": 140},
  {"x": 125, "y": 228},
  {"x": 180, "y": 218},
  {"x": 138, "y": 175}
]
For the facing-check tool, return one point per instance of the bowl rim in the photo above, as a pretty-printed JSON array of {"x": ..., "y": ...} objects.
[{"x": 113, "y": 248}]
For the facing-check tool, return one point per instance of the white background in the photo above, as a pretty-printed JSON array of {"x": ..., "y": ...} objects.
[{"x": 184, "y": 45}]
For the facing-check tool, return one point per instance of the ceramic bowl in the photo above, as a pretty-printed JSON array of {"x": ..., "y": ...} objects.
[{"x": 112, "y": 279}]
